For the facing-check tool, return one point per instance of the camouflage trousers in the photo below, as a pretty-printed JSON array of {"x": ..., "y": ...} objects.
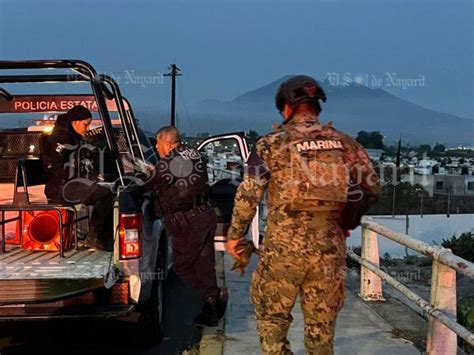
[{"x": 304, "y": 258}]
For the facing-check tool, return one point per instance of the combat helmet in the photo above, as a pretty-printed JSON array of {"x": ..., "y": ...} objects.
[{"x": 297, "y": 90}]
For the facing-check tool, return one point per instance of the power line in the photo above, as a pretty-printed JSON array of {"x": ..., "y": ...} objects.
[{"x": 181, "y": 93}]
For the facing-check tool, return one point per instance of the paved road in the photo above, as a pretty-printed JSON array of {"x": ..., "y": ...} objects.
[
  {"x": 360, "y": 329},
  {"x": 108, "y": 336}
]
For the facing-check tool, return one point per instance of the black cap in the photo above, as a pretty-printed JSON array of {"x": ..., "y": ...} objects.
[
  {"x": 61, "y": 118},
  {"x": 78, "y": 113}
]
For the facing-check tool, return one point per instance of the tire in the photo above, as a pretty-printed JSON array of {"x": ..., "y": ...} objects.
[
  {"x": 153, "y": 316},
  {"x": 158, "y": 302}
]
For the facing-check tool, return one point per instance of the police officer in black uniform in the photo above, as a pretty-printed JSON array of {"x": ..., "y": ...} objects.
[
  {"x": 67, "y": 165},
  {"x": 181, "y": 185}
]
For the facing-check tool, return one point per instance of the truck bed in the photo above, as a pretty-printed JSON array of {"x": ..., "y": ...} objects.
[
  {"x": 34, "y": 276},
  {"x": 29, "y": 277},
  {"x": 19, "y": 264}
]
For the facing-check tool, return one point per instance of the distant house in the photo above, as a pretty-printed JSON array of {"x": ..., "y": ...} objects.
[
  {"x": 412, "y": 154},
  {"x": 425, "y": 166},
  {"x": 456, "y": 185},
  {"x": 374, "y": 154},
  {"x": 444, "y": 185}
]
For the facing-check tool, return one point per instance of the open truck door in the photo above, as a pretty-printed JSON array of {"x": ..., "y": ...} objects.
[{"x": 226, "y": 155}]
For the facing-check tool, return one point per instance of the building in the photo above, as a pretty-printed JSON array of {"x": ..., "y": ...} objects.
[
  {"x": 455, "y": 185},
  {"x": 444, "y": 185},
  {"x": 425, "y": 166},
  {"x": 374, "y": 154}
]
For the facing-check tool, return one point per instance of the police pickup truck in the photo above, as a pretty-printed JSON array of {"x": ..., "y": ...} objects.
[{"x": 45, "y": 273}]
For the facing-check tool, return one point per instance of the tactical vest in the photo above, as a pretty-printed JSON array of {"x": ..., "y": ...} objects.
[
  {"x": 309, "y": 172},
  {"x": 186, "y": 182}
]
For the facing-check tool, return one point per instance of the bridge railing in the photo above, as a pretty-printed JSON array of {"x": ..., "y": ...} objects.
[{"x": 441, "y": 309}]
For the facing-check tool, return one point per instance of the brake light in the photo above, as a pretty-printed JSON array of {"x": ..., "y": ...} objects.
[{"x": 130, "y": 236}]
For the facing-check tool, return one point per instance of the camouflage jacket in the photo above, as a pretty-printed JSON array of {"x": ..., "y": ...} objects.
[{"x": 304, "y": 167}]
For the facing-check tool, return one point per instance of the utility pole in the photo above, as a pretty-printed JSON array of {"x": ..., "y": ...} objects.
[
  {"x": 173, "y": 74},
  {"x": 449, "y": 201},
  {"x": 397, "y": 171},
  {"x": 394, "y": 200},
  {"x": 421, "y": 205},
  {"x": 407, "y": 227}
]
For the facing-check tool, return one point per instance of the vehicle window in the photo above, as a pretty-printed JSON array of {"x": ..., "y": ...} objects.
[
  {"x": 147, "y": 140},
  {"x": 224, "y": 160}
]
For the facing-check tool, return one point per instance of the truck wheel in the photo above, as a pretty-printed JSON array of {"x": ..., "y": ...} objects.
[
  {"x": 154, "y": 310},
  {"x": 158, "y": 304}
]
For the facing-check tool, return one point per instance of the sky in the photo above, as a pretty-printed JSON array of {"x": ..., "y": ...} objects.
[{"x": 228, "y": 47}]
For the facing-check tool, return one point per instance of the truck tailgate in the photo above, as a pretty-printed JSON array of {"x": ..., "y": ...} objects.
[{"x": 34, "y": 276}]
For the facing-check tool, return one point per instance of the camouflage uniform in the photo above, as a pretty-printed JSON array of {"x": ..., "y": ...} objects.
[{"x": 305, "y": 168}]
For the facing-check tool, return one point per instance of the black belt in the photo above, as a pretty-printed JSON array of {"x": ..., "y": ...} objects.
[
  {"x": 200, "y": 203},
  {"x": 200, "y": 200}
]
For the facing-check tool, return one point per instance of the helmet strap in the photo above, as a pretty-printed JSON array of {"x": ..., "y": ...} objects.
[
  {"x": 290, "y": 118},
  {"x": 293, "y": 111}
]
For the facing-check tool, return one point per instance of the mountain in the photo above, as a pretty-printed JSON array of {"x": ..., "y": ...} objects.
[
  {"x": 351, "y": 108},
  {"x": 261, "y": 94}
]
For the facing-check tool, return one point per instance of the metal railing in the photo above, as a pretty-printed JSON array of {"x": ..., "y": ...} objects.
[{"x": 441, "y": 309}]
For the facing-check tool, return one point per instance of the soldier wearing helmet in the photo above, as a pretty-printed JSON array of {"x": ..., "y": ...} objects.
[{"x": 309, "y": 172}]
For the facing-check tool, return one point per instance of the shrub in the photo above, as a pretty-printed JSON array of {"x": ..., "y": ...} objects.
[
  {"x": 352, "y": 263},
  {"x": 465, "y": 317},
  {"x": 387, "y": 260},
  {"x": 411, "y": 260},
  {"x": 462, "y": 246}
]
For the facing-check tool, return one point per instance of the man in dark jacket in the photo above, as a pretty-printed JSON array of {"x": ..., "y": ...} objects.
[
  {"x": 181, "y": 185},
  {"x": 67, "y": 164}
]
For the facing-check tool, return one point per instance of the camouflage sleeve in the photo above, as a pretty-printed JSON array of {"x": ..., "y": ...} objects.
[
  {"x": 249, "y": 194},
  {"x": 362, "y": 171}
]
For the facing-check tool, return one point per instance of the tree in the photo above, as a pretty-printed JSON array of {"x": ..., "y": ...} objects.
[
  {"x": 408, "y": 197},
  {"x": 462, "y": 246},
  {"x": 203, "y": 135},
  {"x": 424, "y": 148},
  {"x": 370, "y": 140},
  {"x": 439, "y": 148}
]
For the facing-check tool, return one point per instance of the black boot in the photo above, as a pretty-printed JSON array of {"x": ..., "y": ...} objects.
[
  {"x": 222, "y": 297},
  {"x": 208, "y": 317},
  {"x": 92, "y": 241}
]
